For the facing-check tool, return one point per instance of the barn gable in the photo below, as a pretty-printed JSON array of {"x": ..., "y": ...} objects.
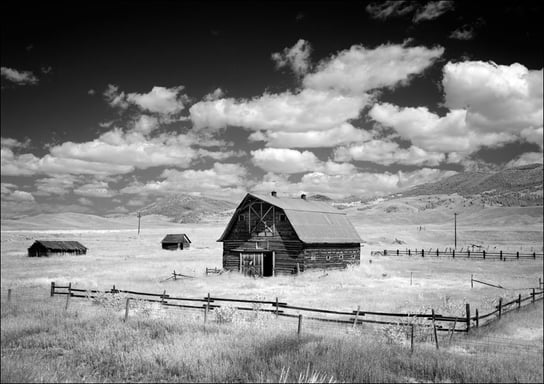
[{"x": 284, "y": 235}]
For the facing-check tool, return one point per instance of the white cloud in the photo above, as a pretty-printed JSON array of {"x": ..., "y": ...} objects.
[
  {"x": 463, "y": 33},
  {"x": 222, "y": 178},
  {"x": 526, "y": 158},
  {"x": 18, "y": 77},
  {"x": 95, "y": 189},
  {"x": 297, "y": 57},
  {"x": 308, "y": 110},
  {"x": 282, "y": 160},
  {"x": 18, "y": 195},
  {"x": 166, "y": 101},
  {"x": 355, "y": 183},
  {"x": 343, "y": 134},
  {"x": 433, "y": 133},
  {"x": 387, "y": 153},
  {"x": 499, "y": 98},
  {"x": 146, "y": 124},
  {"x": 85, "y": 201},
  {"x": 359, "y": 69},
  {"x": 432, "y": 10},
  {"x": 390, "y": 8},
  {"x": 8, "y": 142},
  {"x": 533, "y": 135},
  {"x": 58, "y": 185},
  {"x": 163, "y": 101}
]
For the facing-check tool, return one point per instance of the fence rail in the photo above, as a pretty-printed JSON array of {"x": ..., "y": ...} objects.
[
  {"x": 441, "y": 323},
  {"x": 484, "y": 255}
]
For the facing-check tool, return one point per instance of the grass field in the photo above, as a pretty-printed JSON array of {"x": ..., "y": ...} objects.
[{"x": 42, "y": 343}]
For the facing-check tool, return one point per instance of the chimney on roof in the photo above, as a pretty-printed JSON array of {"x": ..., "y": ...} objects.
[
  {"x": 273, "y": 193},
  {"x": 303, "y": 196}
]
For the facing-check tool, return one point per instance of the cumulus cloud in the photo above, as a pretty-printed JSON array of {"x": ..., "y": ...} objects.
[
  {"x": 297, "y": 57},
  {"x": 8, "y": 142},
  {"x": 300, "y": 112},
  {"x": 389, "y": 9},
  {"x": 358, "y": 183},
  {"x": 433, "y": 10},
  {"x": 343, "y": 134},
  {"x": 95, "y": 189},
  {"x": 525, "y": 159},
  {"x": 161, "y": 100},
  {"x": 222, "y": 178},
  {"x": 359, "y": 69},
  {"x": 283, "y": 160},
  {"x": 463, "y": 33},
  {"x": 57, "y": 185},
  {"x": 18, "y": 77},
  {"x": 498, "y": 97},
  {"x": 387, "y": 153}
]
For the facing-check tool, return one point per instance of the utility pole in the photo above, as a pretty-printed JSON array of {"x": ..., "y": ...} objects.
[
  {"x": 139, "y": 216},
  {"x": 455, "y": 229}
]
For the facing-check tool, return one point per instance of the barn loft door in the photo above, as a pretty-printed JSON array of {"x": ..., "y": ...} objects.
[
  {"x": 251, "y": 263},
  {"x": 264, "y": 218}
]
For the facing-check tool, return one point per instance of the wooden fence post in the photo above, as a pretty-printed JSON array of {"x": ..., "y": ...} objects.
[
  {"x": 500, "y": 307},
  {"x": 9, "y": 295},
  {"x": 517, "y": 254},
  {"x": 519, "y": 301},
  {"x": 52, "y": 288},
  {"x": 453, "y": 253},
  {"x": 534, "y": 255},
  {"x": 68, "y": 296},
  {"x": 500, "y": 255},
  {"x": 207, "y": 307},
  {"x": 356, "y": 316},
  {"x": 412, "y": 338},
  {"x": 434, "y": 330},
  {"x": 471, "y": 281},
  {"x": 163, "y": 296},
  {"x": 422, "y": 252},
  {"x": 467, "y": 308},
  {"x": 436, "y": 252},
  {"x": 397, "y": 252},
  {"x": 468, "y": 253},
  {"x": 113, "y": 291},
  {"x": 453, "y": 329},
  {"x": 533, "y": 294},
  {"x": 175, "y": 277},
  {"x": 477, "y": 319},
  {"x": 127, "y": 308},
  {"x": 483, "y": 253},
  {"x": 299, "y": 324},
  {"x": 276, "y": 307},
  {"x": 409, "y": 253}
]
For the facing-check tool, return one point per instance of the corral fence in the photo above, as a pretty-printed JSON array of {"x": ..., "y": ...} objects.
[
  {"x": 484, "y": 255},
  {"x": 435, "y": 321}
]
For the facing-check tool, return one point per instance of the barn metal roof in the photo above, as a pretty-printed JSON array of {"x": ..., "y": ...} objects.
[
  {"x": 176, "y": 238},
  {"x": 314, "y": 222},
  {"x": 60, "y": 245}
]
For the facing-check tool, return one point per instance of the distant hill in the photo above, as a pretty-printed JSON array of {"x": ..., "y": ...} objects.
[
  {"x": 189, "y": 209},
  {"x": 318, "y": 197},
  {"x": 517, "y": 186}
]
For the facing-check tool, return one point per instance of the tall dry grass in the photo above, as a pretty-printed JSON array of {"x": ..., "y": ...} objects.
[{"x": 41, "y": 342}]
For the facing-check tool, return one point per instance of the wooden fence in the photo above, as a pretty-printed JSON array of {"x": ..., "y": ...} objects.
[
  {"x": 440, "y": 323},
  {"x": 484, "y": 255}
]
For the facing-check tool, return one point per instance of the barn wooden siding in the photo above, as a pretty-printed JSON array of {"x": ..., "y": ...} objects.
[
  {"x": 175, "y": 241},
  {"x": 272, "y": 232},
  {"x": 47, "y": 248}
]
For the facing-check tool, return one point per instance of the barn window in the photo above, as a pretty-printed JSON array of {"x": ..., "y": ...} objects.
[
  {"x": 282, "y": 217},
  {"x": 341, "y": 257},
  {"x": 261, "y": 244},
  {"x": 328, "y": 257},
  {"x": 241, "y": 217},
  {"x": 312, "y": 257}
]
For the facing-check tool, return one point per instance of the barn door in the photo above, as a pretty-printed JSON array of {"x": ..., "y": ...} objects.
[{"x": 251, "y": 263}]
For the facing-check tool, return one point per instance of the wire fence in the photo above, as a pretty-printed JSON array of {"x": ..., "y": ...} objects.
[{"x": 468, "y": 254}]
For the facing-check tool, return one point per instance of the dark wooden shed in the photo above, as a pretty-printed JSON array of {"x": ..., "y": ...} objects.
[
  {"x": 273, "y": 235},
  {"x": 176, "y": 241},
  {"x": 47, "y": 247}
]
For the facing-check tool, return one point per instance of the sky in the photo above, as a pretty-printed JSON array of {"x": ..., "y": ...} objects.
[{"x": 107, "y": 107}]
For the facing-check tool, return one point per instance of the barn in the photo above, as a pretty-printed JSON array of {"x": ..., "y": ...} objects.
[
  {"x": 273, "y": 235},
  {"x": 46, "y": 248},
  {"x": 175, "y": 241}
]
